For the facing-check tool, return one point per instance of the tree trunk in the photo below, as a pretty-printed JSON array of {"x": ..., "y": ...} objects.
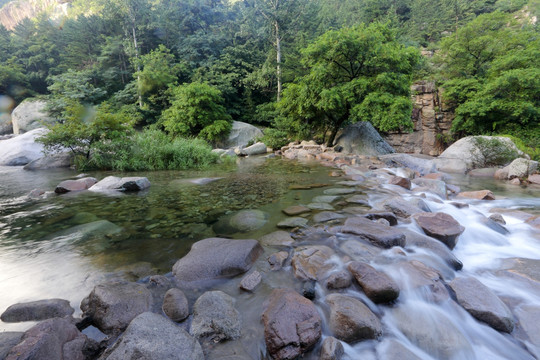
[
  {"x": 278, "y": 60},
  {"x": 138, "y": 66}
]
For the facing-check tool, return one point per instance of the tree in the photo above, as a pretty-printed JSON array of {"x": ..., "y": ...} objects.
[
  {"x": 197, "y": 110},
  {"x": 355, "y": 74}
]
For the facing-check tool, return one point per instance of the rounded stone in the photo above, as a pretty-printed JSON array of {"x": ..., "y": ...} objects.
[{"x": 175, "y": 305}]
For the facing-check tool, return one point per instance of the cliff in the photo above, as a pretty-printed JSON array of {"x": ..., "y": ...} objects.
[{"x": 14, "y": 12}]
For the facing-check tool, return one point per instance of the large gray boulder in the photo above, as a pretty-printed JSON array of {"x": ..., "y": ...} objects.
[
  {"x": 351, "y": 320},
  {"x": 75, "y": 185},
  {"x": 241, "y": 134},
  {"x": 51, "y": 339},
  {"x": 30, "y": 115},
  {"x": 482, "y": 303},
  {"x": 216, "y": 258},
  {"x": 112, "y": 306},
  {"x": 474, "y": 152},
  {"x": 521, "y": 168},
  {"x": 113, "y": 183},
  {"x": 37, "y": 310},
  {"x": 292, "y": 324},
  {"x": 151, "y": 336},
  {"x": 361, "y": 138},
  {"x": 52, "y": 161},
  {"x": 215, "y": 317},
  {"x": 20, "y": 150}
]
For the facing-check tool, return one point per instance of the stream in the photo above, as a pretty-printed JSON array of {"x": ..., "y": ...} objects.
[{"x": 41, "y": 256}]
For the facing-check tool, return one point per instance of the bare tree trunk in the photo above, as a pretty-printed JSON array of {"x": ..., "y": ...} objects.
[
  {"x": 138, "y": 66},
  {"x": 278, "y": 60}
]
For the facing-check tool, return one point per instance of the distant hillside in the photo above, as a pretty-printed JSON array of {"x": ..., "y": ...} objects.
[{"x": 13, "y": 12}]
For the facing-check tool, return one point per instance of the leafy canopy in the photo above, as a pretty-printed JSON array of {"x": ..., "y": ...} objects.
[{"x": 354, "y": 74}]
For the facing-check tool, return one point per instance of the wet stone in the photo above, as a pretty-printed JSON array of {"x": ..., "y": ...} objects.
[
  {"x": 37, "y": 310},
  {"x": 250, "y": 281},
  {"x": 338, "y": 191},
  {"x": 175, "y": 305},
  {"x": 277, "y": 260},
  {"x": 388, "y": 216},
  {"x": 215, "y": 317},
  {"x": 331, "y": 349},
  {"x": 308, "y": 289},
  {"x": 477, "y": 195},
  {"x": 277, "y": 238},
  {"x": 310, "y": 262},
  {"x": 378, "y": 234},
  {"x": 296, "y": 210},
  {"x": 320, "y": 206},
  {"x": 358, "y": 200},
  {"x": 339, "y": 280},
  {"x": 401, "y": 181},
  {"x": 325, "y": 216},
  {"x": 293, "y": 222},
  {"x": 327, "y": 199},
  {"x": 441, "y": 226},
  {"x": 377, "y": 286},
  {"x": 498, "y": 218}
]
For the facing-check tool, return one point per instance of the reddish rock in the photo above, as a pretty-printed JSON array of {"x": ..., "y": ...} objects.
[
  {"x": 534, "y": 221},
  {"x": 441, "y": 226},
  {"x": 75, "y": 185},
  {"x": 250, "y": 281},
  {"x": 292, "y": 324},
  {"x": 401, "y": 181},
  {"x": 310, "y": 262},
  {"x": 479, "y": 195},
  {"x": 339, "y": 280},
  {"x": 534, "y": 179},
  {"x": 277, "y": 260},
  {"x": 296, "y": 210},
  {"x": 377, "y": 286}
]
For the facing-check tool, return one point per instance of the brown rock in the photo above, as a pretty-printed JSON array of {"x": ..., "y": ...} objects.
[
  {"x": 377, "y": 286},
  {"x": 277, "y": 238},
  {"x": 478, "y": 195},
  {"x": 250, "y": 281},
  {"x": 401, "y": 181},
  {"x": 434, "y": 176},
  {"x": 351, "y": 320},
  {"x": 175, "y": 305},
  {"x": 296, "y": 210},
  {"x": 309, "y": 262},
  {"x": 515, "y": 181},
  {"x": 441, "y": 226},
  {"x": 421, "y": 278},
  {"x": 292, "y": 324},
  {"x": 534, "y": 179},
  {"x": 388, "y": 216},
  {"x": 75, "y": 185},
  {"x": 379, "y": 234},
  {"x": 498, "y": 218},
  {"x": 339, "y": 280},
  {"x": 331, "y": 349},
  {"x": 534, "y": 221},
  {"x": 501, "y": 174},
  {"x": 277, "y": 260}
]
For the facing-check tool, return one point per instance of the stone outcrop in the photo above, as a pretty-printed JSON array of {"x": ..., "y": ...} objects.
[
  {"x": 292, "y": 324},
  {"x": 30, "y": 115},
  {"x": 20, "y": 150},
  {"x": 361, "y": 138},
  {"x": 431, "y": 120},
  {"x": 241, "y": 134}
]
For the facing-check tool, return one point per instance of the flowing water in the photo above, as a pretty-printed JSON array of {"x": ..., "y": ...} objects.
[{"x": 41, "y": 257}]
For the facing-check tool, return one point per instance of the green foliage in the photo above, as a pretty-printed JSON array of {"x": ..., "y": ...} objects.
[
  {"x": 197, "y": 110},
  {"x": 355, "y": 74},
  {"x": 154, "y": 150},
  {"x": 495, "y": 151}
]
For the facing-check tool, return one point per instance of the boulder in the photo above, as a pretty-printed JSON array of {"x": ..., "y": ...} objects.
[
  {"x": 377, "y": 286},
  {"x": 30, "y": 115},
  {"x": 528, "y": 328},
  {"x": 310, "y": 262},
  {"x": 534, "y": 179},
  {"x": 436, "y": 247},
  {"x": 75, "y": 185},
  {"x": 121, "y": 184},
  {"x": 215, "y": 318},
  {"x": 441, "y": 226},
  {"x": 401, "y": 181},
  {"x": 175, "y": 305},
  {"x": 478, "y": 195},
  {"x": 296, "y": 210},
  {"x": 240, "y": 135},
  {"x": 51, "y": 339},
  {"x": 331, "y": 349},
  {"x": 277, "y": 238},
  {"x": 37, "y": 310},
  {"x": 241, "y": 221},
  {"x": 53, "y": 161},
  {"x": 339, "y": 280},
  {"x": 6, "y": 126},
  {"x": 292, "y": 222},
  {"x": 422, "y": 279},
  {"x": 474, "y": 152},
  {"x": 151, "y": 336},
  {"x": 292, "y": 324},
  {"x": 250, "y": 281},
  {"x": 379, "y": 234},
  {"x": 482, "y": 303},
  {"x": 360, "y": 250},
  {"x": 521, "y": 168},
  {"x": 112, "y": 306},
  {"x": 403, "y": 208},
  {"x": 7, "y": 341},
  {"x": 361, "y": 138},
  {"x": 20, "y": 150},
  {"x": 216, "y": 258},
  {"x": 436, "y": 187},
  {"x": 351, "y": 320},
  {"x": 255, "y": 149},
  {"x": 420, "y": 163}
]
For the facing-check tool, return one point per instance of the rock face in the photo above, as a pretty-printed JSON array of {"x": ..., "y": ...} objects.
[
  {"x": 59, "y": 160},
  {"x": 121, "y": 184},
  {"x": 175, "y": 305},
  {"x": 51, "y": 339},
  {"x": 483, "y": 304},
  {"x": 241, "y": 134},
  {"x": 377, "y": 286},
  {"x": 151, "y": 336},
  {"x": 255, "y": 149},
  {"x": 215, "y": 317},
  {"x": 75, "y": 185},
  {"x": 37, "y": 310},
  {"x": 292, "y": 324},
  {"x": 361, "y": 138},
  {"x": 216, "y": 258},
  {"x": 379, "y": 234},
  {"x": 112, "y": 306},
  {"x": 351, "y": 320},
  {"x": 478, "y": 195},
  {"x": 30, "y": 115},
  {"x": 474, "y": 152},
  {"x": 441, "y": 226},
  {"x": 21, "y": 150},
  {"x": 309, "y": 262}
]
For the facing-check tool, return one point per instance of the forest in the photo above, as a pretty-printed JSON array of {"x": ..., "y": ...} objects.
[{"x": 148, "y": 74}]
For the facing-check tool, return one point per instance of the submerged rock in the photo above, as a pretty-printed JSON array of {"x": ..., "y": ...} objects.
[
  {"x": 379, "y": 234},
  {"x": 277, "y": 238},
  {"x": 436, "y": 247},
  {"x": 92, "y": 230},
  {"x": 482, "y": 303},
  {"x": 391, "y": 349},
  {"x": 215, "y": 318},
  {"x": 292, "y": 324},
  {"x": 241, "y": 221},
  {"x": 296, "y": 210},
  {"x": 478, "y": 195},
  {"x": 216, "y": 258},
  {"x": 402, "y": 208},
  {"x": 401, "y": 181},
  {"x": 441, "y": 226},
  {"x": 175, "y": 305},
  {"x": 351, "y": 320},
  {"x": 151, "y": 336},
  {"x": 37, "y": 310},
  {"x": 377, "y": 286},
  {"x": 292, "y": 222}
]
